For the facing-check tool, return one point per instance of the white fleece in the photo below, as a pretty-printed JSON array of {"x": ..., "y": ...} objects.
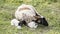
[
  {"x": 32, "y": 25},
  {"x": 25, "y": 14},
  {"x": 15, "y": 23}
]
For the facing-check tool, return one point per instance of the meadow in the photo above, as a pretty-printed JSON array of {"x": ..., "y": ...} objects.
[{"x": 50, "y": 9}]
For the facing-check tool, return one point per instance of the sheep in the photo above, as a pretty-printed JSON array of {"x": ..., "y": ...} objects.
[{"x": 28, "y": 13}]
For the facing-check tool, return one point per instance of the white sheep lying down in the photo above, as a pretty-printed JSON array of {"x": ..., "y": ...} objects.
[{"x": 27, "y": 13}]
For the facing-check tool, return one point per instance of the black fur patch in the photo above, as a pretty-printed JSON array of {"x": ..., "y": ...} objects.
[
  {"x": 42, "y": 21},
  {"x": 22, "y": 22}
]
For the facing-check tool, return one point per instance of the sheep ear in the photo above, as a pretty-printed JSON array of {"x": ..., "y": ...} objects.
[{"x": 36, "y": 17}]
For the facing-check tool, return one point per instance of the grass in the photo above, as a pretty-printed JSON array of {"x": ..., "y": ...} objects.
[{"x": 50, "y": 9}]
